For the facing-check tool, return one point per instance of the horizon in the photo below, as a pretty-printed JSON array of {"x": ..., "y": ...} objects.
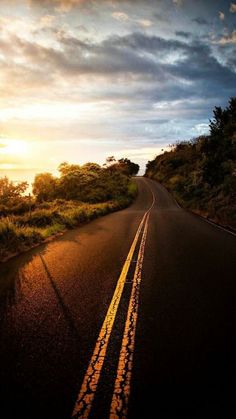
[{"x": 81, "y": 81}]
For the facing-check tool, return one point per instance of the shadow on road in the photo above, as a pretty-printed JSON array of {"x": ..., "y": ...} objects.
[{"x": 65, "y": 311}]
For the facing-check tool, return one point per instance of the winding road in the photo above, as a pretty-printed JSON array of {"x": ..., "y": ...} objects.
[{"x": 130, "y": 316}]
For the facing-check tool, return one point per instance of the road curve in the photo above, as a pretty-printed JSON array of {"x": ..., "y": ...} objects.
[{"x": 174, "y": 320}]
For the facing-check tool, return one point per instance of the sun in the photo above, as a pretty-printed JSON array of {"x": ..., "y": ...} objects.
[{"x": 14, "y": 147}]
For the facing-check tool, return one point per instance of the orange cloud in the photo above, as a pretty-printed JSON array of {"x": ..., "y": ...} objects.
[
  {"x": 60, "y": 5},
  {"x": 122, "y": 17},
  {"x": 229, "y": 39},
  {"x": 233, "y": 8}
]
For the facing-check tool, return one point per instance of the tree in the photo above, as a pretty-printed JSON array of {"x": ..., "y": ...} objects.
[
  {"x": 124, "y": 165},
  {"x": 110, "y": 161},
  {"x": 45, "y": 187},
  {"x": 9, "y": 190},
  {"x": 220, "y": 146},
  {"x": 93, "y": 167},
  {"x": 130, "y": 168},
  {"x": 76, "y": 181}
]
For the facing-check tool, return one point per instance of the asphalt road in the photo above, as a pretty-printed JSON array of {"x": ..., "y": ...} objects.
[{"x": 181, "y": 346}]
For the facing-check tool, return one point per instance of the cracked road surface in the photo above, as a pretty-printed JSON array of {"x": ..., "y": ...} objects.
[{"x": 131, "y": 314}]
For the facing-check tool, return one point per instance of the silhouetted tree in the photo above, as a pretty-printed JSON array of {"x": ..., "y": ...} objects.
[
  {"x": 130, "y": 168},
  {"x": 45, "y": 187},
  {"x": 10, "y": 190}
]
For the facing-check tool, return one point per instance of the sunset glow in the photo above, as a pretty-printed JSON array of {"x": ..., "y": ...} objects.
[{"x": 14, "y": 148}]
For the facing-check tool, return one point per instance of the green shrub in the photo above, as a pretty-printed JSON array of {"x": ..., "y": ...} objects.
[{"x": 132, "y": 189}]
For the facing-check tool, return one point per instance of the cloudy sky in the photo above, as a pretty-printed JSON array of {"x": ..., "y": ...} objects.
[{"x": 84, "y": 79}]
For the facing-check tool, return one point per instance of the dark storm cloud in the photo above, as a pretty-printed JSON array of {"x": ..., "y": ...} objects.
[
  {"x": 183, "y": 34},
  {"x": 141, "y": 54},
  {"x": 161, "y": 17},
  {"x": 195, "y": 71},
  {"x": 139, "y": 41},
  {"x": 200, "y": 21}
]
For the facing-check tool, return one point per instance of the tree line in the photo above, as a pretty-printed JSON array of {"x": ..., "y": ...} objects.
[
  {"x": 78, "y": 195},
  {"x": 87, "y": 183}
]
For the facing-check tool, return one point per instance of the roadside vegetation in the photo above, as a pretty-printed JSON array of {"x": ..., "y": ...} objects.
[
  {"x": 78, "y": 195},
  {"x": 201, "y": 173}
]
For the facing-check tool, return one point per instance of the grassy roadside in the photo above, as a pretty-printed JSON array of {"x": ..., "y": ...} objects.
[
  {"x": 20, "y": 233},
  {"x": 215, "y": 207}
]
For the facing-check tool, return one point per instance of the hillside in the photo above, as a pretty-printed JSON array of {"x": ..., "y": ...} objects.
[{"x": 201, "y": 173}]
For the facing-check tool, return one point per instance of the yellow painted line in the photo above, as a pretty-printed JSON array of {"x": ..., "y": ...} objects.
[
  {"x": 87, "y": 392},
  {"x": 120, "y": 399},
  {"x": 88, "y": 389}
]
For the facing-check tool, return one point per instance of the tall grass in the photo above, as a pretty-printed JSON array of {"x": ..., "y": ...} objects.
[
  {"x": 19, "y": 232},
  {"x": 14, "y": 237}
]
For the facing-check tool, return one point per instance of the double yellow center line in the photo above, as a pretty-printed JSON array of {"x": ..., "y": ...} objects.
[{"x": 121, "y": 393}]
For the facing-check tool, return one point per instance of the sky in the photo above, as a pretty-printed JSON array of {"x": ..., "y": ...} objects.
[{"x": 81, "y": 80}]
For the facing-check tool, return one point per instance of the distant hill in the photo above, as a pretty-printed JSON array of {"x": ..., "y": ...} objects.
[{"x": 201, "y": 173}]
